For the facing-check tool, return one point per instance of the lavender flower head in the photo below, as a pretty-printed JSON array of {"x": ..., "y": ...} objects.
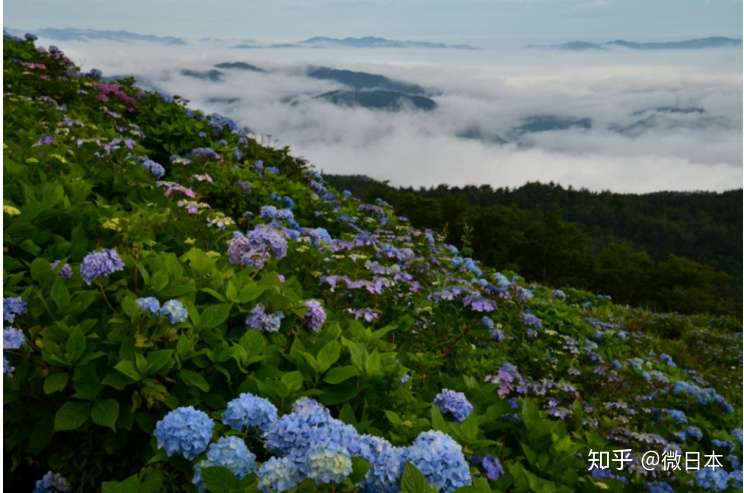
[
  {"x": 257, "y": 247},
  {"x": 259, "y": 319},
  {"x": 13, "y": 306},
  {"x": 184, "y": 431},
  {"x": 315, "y": 316},
  {"x": 100, "y": 264},
  {"x": 65, "y": 272},
  {"x": 454, "y": 404},
  {"x": 13, "y": 338}
]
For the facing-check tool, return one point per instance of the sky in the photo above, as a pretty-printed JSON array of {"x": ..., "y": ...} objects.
[{"x": 484, "y": 21}]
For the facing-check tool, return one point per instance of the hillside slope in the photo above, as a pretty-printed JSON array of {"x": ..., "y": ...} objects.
[{"x": 173, "y": 290}]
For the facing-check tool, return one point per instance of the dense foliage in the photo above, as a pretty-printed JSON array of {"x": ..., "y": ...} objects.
[
  {"x": 186, "y": 310},
  {"x": 670, "y": 251}
]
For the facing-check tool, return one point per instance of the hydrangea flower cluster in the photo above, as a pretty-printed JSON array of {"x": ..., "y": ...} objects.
[
  {"x": 13, "y": 338},
  {"x": 65, "y": 272},
  {"x": 452, "y": 403},
  {"x": 156, "y": 169},
  {"x": 508, "y": 379},
  {"x": 328, "y": 463},
  {"x": 249, "y": 411},
  {"x": 703, "y": 396},
  {"x": 184, "y": 431},
  {"x": 257, "y": 247},
  {"x": 149, "y": 304},
  {"x": 12, "y": 307},
  {"x": 52, "y": 482},
  {"x": 260, "y": 319},
  {"x": 100, "y": 264},
  {"x": 230, "y": 452},
  {"x": 490, "y": 465},
  {"x": 440, "y": 459},
  {"x": 315, "y": 316},
  {"x": 175, "y": 311}
]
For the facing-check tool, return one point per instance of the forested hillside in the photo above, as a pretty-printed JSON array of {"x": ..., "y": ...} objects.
[{"x": 672, "y": 251}]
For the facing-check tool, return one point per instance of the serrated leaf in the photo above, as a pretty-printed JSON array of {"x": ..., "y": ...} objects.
[{"x": 328, "y": 355}]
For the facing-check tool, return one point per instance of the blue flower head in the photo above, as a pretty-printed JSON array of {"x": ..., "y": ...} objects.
[
  {"x": 659, "y": 487},
  {"x": 52, "y": 482},
  {"x": 156, "y": 169},
  {"x": 230, "y": 452},
  {"x": 328, "y": 463},
  {"x": 277, "y": 475},
  {"x": 454, "y": 404},
  {"x": 100, "y": 264},
  {"x": 440, "y": 459},
  {"x": 13, "y": 306},
  {"x": 149, "y": 304},
  {"x": 712, "y": 479},
  {"x": 249, "y": 411},
  {"x": 175, "y": 311},
  {"x": 184, "y": 431},
  {"x": 65, "y": 272},
  {"x": 13, "y": 338}
]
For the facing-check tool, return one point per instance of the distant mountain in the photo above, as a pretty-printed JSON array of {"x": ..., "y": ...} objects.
[
  {"x": 378, "y": 100},
  {"x": 546, "y": 123},
  {"x": 211, "y": 75},
  {"x": 689, "y": 44},
  {"x": 73, "y": 34},
  {"x": 350, "y": 42},
  {"x": 364, "y": 80},
  {"x": 239, "y": 66}
]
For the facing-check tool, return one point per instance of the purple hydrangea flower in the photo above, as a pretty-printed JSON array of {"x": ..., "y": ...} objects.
[
  {"x": 257, "y": 247},
  {"x": 156, "y": 169},
  {"x": 100, "y": 264},
  {"x": 65, "y": 272},
  {"x": 454, "y": 404},
  {"x": 52, "y": 482},
  {"x": 149, "y": 304},
  {"x": 259, "y": 319},
  {"x": 315, "y": 316},
  {"x": 13, "y": 306},
  {"x": 13, "y": 338}
]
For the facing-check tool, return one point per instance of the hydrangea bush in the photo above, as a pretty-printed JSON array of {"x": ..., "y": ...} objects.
[{"x": 186, "y": 309}]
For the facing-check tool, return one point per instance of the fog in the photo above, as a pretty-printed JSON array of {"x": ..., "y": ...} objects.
[{"x": 493, "y": 90}]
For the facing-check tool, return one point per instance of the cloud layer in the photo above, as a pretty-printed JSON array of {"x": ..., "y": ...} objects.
[{"x": 493, "y": 91}]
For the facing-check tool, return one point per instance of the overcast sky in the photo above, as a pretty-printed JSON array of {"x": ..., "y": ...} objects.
[{"x": 452, "y": 20}]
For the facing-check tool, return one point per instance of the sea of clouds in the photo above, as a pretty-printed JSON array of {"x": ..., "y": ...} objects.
[{"x": 493, "y": 90}]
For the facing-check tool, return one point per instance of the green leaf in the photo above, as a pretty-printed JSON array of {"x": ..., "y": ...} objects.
[
  {"x": 158, "y": 360},
  {"x": 159, "y": 280},
  {"x": 41, "y": 271},
  {"x": 219, "y": 479},
  {"x": 60, "y": 295},
  {"x": 105, "y": 412},
  {"x": 71, "y": 415},
  {"x": 75, "y": 346},
  {"x": 413, "y": 481},
  {"x": 194, "y": 379},
  {"x": 359, "y": 469},
  {"x": 292, "y": 380},
  {"x": 54, "y": 382},
  {"x": 127, "y": 368},
  {"x": 231, "y": 292},
  {"x": 328, "y": 355},
  {"x": 374, "y": 365},
  {"x": 340, "y": 374},
  {"x": 215, "y": 315}
]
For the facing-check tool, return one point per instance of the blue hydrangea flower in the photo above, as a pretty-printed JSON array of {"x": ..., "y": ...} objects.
[
  {"x": 712, "y": 479},
  {"x": 722, "y": 444},
  {"x": 668, "y": 360},
  {"x": 386, "y": 464},
  {"x": 559, "y": 294},
  {"x": 249, "y": 411},
  {"x": 659, "y": 487},
  {"x": 328, "y": 463},
  {"x": 440, "y": 459},
  {"x": 156, "y": 169},
  {"x": 735, "y": 480},
  {"x": 13, "y": 306},
  {"x": 65, "y": 272},
  {"x": 149, "y": 304},
  {"x": 8, "y": 369},
  {"x": 490, "y": 465},
  {"x": 315, "y": 316},
  {"x": 13, "y": 338},
  {"x": 184, "y": 431},
  {"x": 175, "y": 311},
  {"x": 260, "y": 319},
  {"x": 277, "y": 475},
  {"x": 692, "y": 432},
  {"x": 52, "y": 482},
  {"x": 677, "y": 415},
  {"x": 230, "y": 452},
  {"x": 531, "y": 320},
  {"x": 454, "y": 404},
  {"x": 98, "y": 264}
]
